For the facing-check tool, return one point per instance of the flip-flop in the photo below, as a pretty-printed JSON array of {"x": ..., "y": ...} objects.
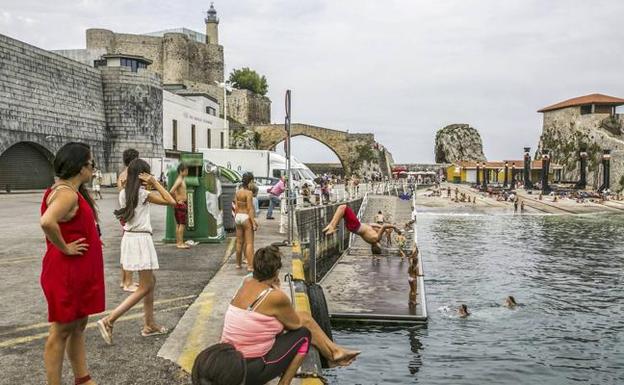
[
  {"x": 159, "y": 331},
  {"x": 131, "y": 289},
  {"x": 106, "y": 331}
]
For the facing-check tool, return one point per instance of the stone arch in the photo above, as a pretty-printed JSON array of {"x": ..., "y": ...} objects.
[
  {"x": 341, "y": 160},
  {"x": 26, "y": 165},
  {"x": 339, "y": 142}
]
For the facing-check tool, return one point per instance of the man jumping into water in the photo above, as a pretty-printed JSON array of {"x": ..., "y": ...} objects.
[{"x": 370, "y": 233}]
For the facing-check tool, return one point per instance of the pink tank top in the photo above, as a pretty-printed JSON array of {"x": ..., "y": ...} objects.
[{"x": 251, "y": 333}]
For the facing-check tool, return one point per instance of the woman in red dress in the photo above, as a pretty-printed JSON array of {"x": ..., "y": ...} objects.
[{"x": 72, "y": 275}]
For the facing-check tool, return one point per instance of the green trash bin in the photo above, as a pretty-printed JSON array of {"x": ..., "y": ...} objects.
[{"x": 205, "y": 215}]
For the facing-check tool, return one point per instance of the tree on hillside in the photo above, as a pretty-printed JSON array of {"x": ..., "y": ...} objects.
[{"x": 249, "y": 79}]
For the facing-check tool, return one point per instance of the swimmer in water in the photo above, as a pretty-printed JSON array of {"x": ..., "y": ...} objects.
[
  {"x": 510, "y": 302},
  {"x": 463, "y": 311}
]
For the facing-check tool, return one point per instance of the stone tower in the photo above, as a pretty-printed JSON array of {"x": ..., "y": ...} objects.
[{"x": 212, "y": 26}]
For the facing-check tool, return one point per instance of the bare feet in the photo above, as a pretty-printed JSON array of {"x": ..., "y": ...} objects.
[
  {"x": 239, "y": 266},
  {"x": 183, "y": 246},
  {"x": 344, "y": 357},
  {"x": 329, "y": 229}
]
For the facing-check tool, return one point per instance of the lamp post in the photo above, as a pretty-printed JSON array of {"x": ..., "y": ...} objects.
[
  {"x": 527, "y": 168},
  {"x": 582, "y": 183},
  {"x": 513, "y": 176},
  {"x": 506, "y": 174},
  {"x": 227, "y": 86},
  {"x": 485, "y": 177},
  {"x": 545, "y": 171},
  {"x": 478, "y": 179},
  {"x": 606, "y": 170}
]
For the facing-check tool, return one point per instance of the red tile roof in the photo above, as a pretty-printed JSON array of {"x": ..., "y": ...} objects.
[{"x": 587, "y": 99}]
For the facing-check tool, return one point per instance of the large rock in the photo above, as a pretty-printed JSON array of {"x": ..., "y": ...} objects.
[{"x": 458, "y": 142}]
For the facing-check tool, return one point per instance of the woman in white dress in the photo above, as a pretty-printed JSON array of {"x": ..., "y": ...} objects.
[{"x": 137, "y": 247}]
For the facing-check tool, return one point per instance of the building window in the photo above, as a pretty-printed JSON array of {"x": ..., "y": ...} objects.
[
  {"x": 193, "y": 142},
  {"x": 175, "y": 135},
  {"x": 222, "y": 139},
  {"x": 211, "y": 111},
  {"x": 208, "y": 138},
  {"x": 586, "y": 109},
  {"x": 132, "y": 63}
]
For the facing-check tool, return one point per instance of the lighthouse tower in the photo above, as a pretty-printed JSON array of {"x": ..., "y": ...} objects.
[{"x": 212, "y": 26}]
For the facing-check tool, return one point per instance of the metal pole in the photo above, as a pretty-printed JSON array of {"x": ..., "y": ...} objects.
[{"x": 288, "y": 170}]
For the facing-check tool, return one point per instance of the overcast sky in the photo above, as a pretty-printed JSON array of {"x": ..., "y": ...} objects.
[{"x": 400, "y": 69}]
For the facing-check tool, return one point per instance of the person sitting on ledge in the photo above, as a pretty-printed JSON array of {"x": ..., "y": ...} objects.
[
  {"x": 273, "y": 338},
  {"x": 371, "y": 233}
]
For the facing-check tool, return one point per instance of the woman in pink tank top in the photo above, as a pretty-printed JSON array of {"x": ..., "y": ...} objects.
[{"x": 263, "y": 326}]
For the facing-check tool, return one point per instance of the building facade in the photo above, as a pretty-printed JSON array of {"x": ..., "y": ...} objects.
[{"x": 593, "y": 123}]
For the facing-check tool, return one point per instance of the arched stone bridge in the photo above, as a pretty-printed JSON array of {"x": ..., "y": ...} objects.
[{"x": 358, "y": 153}]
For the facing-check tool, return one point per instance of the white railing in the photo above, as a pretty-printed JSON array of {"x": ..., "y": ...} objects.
[{"x": 421, "y": 269}]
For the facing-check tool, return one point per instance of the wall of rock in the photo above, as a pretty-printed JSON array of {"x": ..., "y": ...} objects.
[
  {"x": 457, "y": 142},
  {"x": 565, "y": 131}
]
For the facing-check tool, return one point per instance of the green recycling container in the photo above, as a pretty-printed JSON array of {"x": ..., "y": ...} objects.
[{"x": 205, "y": 216}]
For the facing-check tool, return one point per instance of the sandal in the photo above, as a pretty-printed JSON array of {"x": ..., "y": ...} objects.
[
  {"x": 132, "y": 288},
  {"x": 154, "y": 332},
  {"x": 82, "y": 380},
  {"x": 106, "y": 330}
]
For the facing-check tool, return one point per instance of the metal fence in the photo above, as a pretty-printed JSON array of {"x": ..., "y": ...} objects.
[{"x": 320, "y": 252}]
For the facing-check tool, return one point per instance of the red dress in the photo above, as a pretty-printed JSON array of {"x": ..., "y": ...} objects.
[{"x": 74, "y": 285}]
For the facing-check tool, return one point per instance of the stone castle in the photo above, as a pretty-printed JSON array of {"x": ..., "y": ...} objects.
[
  {"x": 109, "y": 95},
  {"x": 589, "y": 122}
]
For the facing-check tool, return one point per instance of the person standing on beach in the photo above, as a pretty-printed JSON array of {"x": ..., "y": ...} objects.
[
  {"x": 178, "y": 191},
  {"x": 128, "y": 156},
  {"x": 137, "y": 247},
  {"x": 72, "y": 275}
]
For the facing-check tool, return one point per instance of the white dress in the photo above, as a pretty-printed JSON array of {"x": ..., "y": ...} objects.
[{"x": 137, "y": 247}]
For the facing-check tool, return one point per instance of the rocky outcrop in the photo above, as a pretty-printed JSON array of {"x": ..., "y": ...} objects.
[
  {"x": 458, "y": 142},
  {"x": 566, "y": 131}
]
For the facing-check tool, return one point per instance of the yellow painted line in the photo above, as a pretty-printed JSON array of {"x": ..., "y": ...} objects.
[
  {"x": 311, "y": 381},
  {"x": 229, "y": 249},
  {"x": 194, "y": 342},
  {"x": 297, "y": 269},
  {"x": 138, "y": 306},
  {"x": 34, "y": 337},
  {"x": 302, "y": 303}
]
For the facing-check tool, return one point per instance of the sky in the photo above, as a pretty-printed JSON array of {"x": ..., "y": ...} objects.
[{"x": 399, "y": 69}]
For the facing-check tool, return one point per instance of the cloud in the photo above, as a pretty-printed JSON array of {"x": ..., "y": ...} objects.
[{"x": 402, "y": 69}]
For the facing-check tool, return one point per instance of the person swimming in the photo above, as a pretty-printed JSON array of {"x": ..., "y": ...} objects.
[
  {"x": 463, "y": 311},
  {"x": 510, "y": 302}
]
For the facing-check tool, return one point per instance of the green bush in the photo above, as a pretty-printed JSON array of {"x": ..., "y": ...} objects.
[{"x": 248, "y": 79}]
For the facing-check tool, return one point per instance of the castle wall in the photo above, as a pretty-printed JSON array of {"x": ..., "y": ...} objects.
[
  {"x": 246, "y": 107},
  {"x": 49, "y": 100},
  {"x": 134, "y": 111},
  {"x": 564, "y": 131},
  {"x": 175, "y": 57}
]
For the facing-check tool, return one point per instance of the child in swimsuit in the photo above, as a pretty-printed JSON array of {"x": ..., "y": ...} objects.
[{"x": 413, "y": 273}]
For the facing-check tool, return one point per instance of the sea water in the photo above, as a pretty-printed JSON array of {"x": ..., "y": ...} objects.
[{"x": 567, "y": 273}]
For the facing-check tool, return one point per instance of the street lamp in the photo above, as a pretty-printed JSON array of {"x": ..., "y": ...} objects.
[
  {"x": 506, "y": 174},
  {"x": 227, "y": 86}
]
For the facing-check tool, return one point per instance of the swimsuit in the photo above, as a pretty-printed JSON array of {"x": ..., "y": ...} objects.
[
  {"x": 352, "y": 223},
  {"x": 241, "y": 218},
  {"x": 180, "y": 211}
]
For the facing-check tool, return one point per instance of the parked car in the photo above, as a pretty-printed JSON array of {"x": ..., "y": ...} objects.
[{"x": 264, "y": 184}]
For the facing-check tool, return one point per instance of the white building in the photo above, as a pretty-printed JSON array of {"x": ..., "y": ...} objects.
[{"x": 189, "y": 123}]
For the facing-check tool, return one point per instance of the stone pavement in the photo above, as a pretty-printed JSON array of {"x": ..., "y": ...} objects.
[{"x": 132, "y": 359}]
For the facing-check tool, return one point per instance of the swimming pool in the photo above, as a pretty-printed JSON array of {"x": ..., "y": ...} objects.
[{"x": 567, "y": 272}]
